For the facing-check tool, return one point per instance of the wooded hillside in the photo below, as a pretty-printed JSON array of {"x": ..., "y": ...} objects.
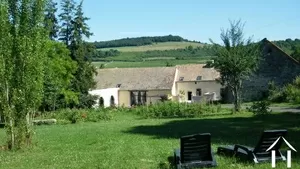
[{"x": 139, "y": 41}]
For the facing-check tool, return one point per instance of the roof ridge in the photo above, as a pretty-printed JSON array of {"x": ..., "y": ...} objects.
[
  {"x": 191, "y": 64},
  {"x": 165, "y": 67},
  {"x": 136, "y": 68},
  {"x": 287, "y": 55}
]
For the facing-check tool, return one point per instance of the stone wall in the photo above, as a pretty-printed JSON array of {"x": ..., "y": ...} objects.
[{"x": 275, "y": 66}]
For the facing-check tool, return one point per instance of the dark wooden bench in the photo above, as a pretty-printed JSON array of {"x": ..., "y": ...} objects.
[
  {"x": 195, "y": 152},
  {"x": 258, "y": 153}
]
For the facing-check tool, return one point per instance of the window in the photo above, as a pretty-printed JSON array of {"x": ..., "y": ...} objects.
[
  {"x": 101, "y": 102},
  {"x": 198, "y": 92},
  {"x": 118, "y": 85},
  {"x": 189, "y": 96},
  {"x": 112, "y": 101},
  {"x": 181, "y": 78},
  {"x": 138, "y": 97},
  {"x": 199, "y": 77},
  {"x": 269, "y": 51}
]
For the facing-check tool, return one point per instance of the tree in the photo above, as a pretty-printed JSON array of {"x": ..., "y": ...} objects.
[
  {"x": 84, "y": 76},
  {"x": 236, "y": 59},
  {"x": 59, "y": 72},
  {"x": 51, "y": 22},
  {"x": 5, "y": 63},
  {"x": 22, "y": 56},
  {"x": 66, "y": 18},
  {"x": 73, "y": 30},
  {"x": 80, "y": 26},
  {"x": 296, "y": 53}
]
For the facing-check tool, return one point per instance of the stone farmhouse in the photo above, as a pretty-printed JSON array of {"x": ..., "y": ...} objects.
[{"x": 135, "y": 86}]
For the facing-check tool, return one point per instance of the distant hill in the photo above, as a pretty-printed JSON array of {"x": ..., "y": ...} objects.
[
  {"x": 138, "y": 41},
  {"x": 161, "y": 51},
  {"x": 150, "y": 52}
]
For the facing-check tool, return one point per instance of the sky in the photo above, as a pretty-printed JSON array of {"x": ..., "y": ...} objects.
[{"x": 197, "y": 20}]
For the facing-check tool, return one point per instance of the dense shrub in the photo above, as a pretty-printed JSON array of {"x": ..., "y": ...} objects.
[
  {"x": 276, "y": 94},
  {"x": 96, "y": 115},
  {"x": 166, "y": 109},
  {"x": 290, "y": 93},
  {"x": 260, "y": 108},
  {"x": 76, "y": 115},
  {"x": 293, "y": 91},
  {"x": 86, "y": 101},
  {"x": 175, "y": 109}
]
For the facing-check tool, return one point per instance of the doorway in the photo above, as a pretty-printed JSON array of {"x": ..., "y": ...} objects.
[{"x": 189, "y": 95}]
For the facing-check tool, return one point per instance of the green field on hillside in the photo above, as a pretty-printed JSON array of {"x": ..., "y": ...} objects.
[
  {"x": 149, "y": 63},
  {"x": 157, "y": 46},
  {"x": 154, "y": 55},
  {"x": 157, "y": 55}
]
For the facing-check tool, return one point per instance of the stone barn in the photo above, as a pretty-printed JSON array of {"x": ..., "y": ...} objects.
[{"x": 276, "y": 66}]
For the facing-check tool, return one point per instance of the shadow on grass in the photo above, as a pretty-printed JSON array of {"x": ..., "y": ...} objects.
[{"x": 229, "y": 130}]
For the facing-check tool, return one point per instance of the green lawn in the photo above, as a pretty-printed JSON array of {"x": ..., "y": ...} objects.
[
  {"x": 130, "y": 142},
  {"x": 149, "y": 63},
  {"x": 157, "y": 46}
]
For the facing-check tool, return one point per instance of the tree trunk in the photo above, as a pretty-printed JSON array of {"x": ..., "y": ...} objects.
[
  {"x": 236, "y": 99},
  {"x": 11, "y": 132},
  {"x": 11, "y": 143},
  {"x": 28, "y": 128},
  {"x": 236, "y": 91}
]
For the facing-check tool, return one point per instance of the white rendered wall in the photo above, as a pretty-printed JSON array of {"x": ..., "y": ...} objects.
[{"x": 106, "y": 95}]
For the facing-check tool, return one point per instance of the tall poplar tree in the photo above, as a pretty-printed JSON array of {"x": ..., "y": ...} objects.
[
  {"x": 6, "y": 68},
  {"x": 22, "y": 57}
]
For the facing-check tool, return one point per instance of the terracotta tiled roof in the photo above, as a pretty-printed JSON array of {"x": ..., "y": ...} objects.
[
  {"x": 136, "y": 78},
  {"x": 190, "y": 72},
  {"x": 155, "y": 78}
]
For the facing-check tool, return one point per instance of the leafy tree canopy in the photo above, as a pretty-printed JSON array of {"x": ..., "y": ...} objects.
[{"x": 236, "y": 58}]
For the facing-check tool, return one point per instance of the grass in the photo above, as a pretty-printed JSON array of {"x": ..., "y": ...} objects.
[
  {"x": 130, "y": 142},
  {"x": 149, "y": 63},
  {"x": 157, "y": 46},
  {"x": 283, "y": 105},
  {"x": 142, "y": 56}
]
